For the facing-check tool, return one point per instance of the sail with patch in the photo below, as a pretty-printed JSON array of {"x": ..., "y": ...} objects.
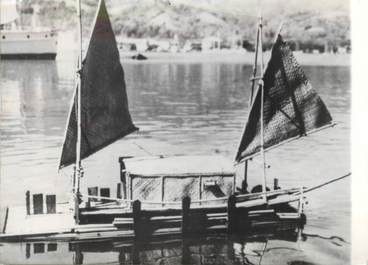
[
  {"x": 105, "y": 115},
  {"x": 291, "y": 107}
]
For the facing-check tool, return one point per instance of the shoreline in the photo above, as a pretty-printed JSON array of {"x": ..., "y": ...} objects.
[
  {"x": 232, "y": 56},
  {"x": 236, "y": 57}
]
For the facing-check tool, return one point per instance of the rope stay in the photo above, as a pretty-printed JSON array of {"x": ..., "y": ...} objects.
[{"x": 292, "y": 191}]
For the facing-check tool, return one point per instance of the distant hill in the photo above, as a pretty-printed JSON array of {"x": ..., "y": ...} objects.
[{"x": 306, "y": 21}]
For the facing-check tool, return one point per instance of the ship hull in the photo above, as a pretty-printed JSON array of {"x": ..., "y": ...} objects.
[
  {"x": 23, "y": 45},
  {"x": 28, "y": 56}
]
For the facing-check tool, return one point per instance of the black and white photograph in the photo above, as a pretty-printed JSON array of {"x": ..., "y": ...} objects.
[{"x": 177, "y": 132}]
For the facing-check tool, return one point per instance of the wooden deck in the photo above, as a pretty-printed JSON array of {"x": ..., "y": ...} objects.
[
  {"x": 137, "y": 223},
  {"x": 242, "y": 213}
]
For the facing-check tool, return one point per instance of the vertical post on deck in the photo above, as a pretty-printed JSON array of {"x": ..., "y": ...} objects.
[
  {"x": 276, "y": 184},
  {"x": 185, "y": 228},
  {"x": 5, "y": 219},
  {"x": 137, "y": 214},
  {"x": 244, "y": 183},
  {"x": 123, "y": 177},
  {"x": 200, "y": 189},
  {"x": 231, "y": 214},
  {"x": 301, "y": 201},
  {"x": 28, "y": 202},
  {"x": 131, "y": 187},
  {"x": 162, "y": 190},
  {"x": 118, "y": 191}
]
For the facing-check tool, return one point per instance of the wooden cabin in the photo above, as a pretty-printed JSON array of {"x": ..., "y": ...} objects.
[{"x": 169, "y": 179}]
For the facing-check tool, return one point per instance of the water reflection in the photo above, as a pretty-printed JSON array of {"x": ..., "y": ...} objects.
[
  {"x": 33, "y": 90},
  {"x": 269, "y": 248},
  {"x": 211, "y": 249}
]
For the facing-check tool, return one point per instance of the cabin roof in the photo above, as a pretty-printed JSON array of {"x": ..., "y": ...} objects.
[{"x": 179, "y": 165}]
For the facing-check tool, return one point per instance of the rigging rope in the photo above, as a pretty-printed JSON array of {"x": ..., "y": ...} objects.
[
  {"x": 275, "y": 192},
  {"x": 143, "y": 149},
  {"x": 326, "y": 183}
]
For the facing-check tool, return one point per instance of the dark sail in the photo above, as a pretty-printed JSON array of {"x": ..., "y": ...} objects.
[
  {"x": 105, "y": 116},
  {"x": 292, "y": 107}
]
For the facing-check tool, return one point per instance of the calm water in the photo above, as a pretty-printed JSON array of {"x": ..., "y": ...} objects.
[{"x": 180, "y": 109}]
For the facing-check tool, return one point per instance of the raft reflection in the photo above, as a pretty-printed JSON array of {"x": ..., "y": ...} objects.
[{"x": 209, "y": 249}]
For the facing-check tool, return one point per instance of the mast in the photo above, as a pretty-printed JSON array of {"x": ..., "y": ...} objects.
[
  {"x": 261, "y": 87},
  {"x": 78, "y": 170},
  {"x": 268, "y": 125},
  {"x": 253, "y": 82},
  {"x": 254, "y": 77}
]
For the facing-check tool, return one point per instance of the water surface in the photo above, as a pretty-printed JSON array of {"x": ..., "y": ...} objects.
[{"x": 180, "y": 108}]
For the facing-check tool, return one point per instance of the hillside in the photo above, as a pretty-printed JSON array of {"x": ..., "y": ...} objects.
[{"x": 314, "y": 23}]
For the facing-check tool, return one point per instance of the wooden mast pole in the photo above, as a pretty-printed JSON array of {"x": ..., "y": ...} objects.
[
  {"x": 253, "y": 82},
  {"x": 261, "y": 87},
  {"x": 78, "y": 167},
  {"x": 254, "y": 77}
]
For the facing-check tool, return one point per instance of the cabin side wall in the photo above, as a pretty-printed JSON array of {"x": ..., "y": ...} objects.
[{"x": 174, "y": 188}]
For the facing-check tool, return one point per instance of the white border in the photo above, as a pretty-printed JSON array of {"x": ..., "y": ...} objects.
[{"x": 359, "y": 132}]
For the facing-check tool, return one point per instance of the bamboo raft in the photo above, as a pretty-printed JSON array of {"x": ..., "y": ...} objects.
[
  {"x": 138, "y": 223},
  {"x": 241, "y": 215},
  {"x": 234, "y": 216}
]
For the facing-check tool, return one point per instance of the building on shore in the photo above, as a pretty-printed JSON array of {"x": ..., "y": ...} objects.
[
  {"x": 144, "y": 44},
  {"x": 132, "y": 44},
  {"x": 211, "y": 43}
]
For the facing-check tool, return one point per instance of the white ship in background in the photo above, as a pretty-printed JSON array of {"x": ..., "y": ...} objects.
[{"x": 21, "y": 38}]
